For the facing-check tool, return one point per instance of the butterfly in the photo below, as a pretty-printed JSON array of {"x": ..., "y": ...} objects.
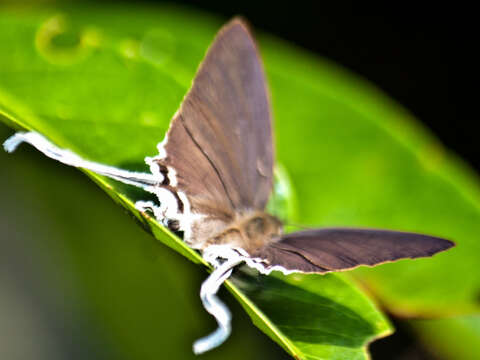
[{"x": 213, "y": 177}]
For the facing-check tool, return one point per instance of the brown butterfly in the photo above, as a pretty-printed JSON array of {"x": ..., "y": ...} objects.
[{"x": 214, "y": 174}]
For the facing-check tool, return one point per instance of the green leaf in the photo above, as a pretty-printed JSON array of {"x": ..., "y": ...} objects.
[
  {"x": 296, "y": 303},
  {"x": 104, "y": 82}
]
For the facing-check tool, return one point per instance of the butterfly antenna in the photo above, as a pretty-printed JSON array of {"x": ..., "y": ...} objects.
[
  {"x": 211, "y": 302},
  {"x": 142, "y": 180}
]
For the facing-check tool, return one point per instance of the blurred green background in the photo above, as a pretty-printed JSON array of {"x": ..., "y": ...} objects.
[{"x": 79, "y": 279}]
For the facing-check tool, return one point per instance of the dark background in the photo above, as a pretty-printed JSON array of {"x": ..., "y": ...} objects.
[{"x": 405, "y": 51}]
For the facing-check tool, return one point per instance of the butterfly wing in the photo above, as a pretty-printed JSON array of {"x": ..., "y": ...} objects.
[
  {"x": 336, "y": 249},
  {"x": 219, "y": 145},
  {"x": 227, "y": 113}
]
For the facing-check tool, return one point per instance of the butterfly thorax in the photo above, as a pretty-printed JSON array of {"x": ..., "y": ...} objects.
[{"x": 249, "y": 232}]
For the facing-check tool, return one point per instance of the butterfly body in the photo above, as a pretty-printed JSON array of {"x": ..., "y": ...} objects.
[{"x": 249, "y": 232}]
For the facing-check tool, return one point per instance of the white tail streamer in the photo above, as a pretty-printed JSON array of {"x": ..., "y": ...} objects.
[
  {"x": 208, "y": 292},
  {"x": 142, "y": 180}
]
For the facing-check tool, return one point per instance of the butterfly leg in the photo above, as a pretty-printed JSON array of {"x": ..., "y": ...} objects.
[
  {"x": 142, "y": 180},
  {"x": 150, "y": 206},
  {"x": 159, "y": 213},
  {"x": 223, "y": 269}
]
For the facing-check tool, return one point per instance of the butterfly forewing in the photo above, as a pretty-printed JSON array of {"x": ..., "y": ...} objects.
[
  {"x": 227, "y": 114},
  {"x": 336, "y": 249}
]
